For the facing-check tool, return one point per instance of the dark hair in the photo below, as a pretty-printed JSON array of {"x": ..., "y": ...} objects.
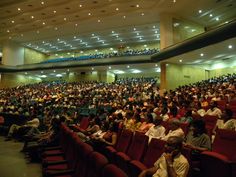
[
  {"x": 114, "y": 127},
  {"x": 178, "y": 141},
  {"x": 229, "y": 113},
  {"x": 200, "y": 125}
]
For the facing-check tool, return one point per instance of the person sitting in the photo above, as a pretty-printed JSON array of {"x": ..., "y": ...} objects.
[
  {"x": 157, "y": 130},
  {"x": 187, "y": 117},
  {"x": 175, "y": 130},
  {"x": 197, "y": 139},
  {"x": 14, "y": 129},
  {"x": 172, "y": 163},
  {"x": 228, "y": 122},
  {"x": 147, "y": 124},
  {"x": 214, "y": 110}
]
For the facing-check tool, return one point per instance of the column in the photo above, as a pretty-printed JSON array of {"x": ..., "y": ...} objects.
[
  {"x": 12, "y": 53},
  {"x": 166, "y": 30},
  {"x": 163, "y": 80}
]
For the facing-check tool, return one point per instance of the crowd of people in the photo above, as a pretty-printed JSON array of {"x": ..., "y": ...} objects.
[
  {"x": 136, "y": 104},
  {"x": 129, "y": 52}
]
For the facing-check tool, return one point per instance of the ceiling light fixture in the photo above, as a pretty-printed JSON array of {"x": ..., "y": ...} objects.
[
  {"x": 32, "y": 16},
  {"x": 142, "y": 14},
  {"x": 13, "y": 21},
  {"x": 180, "y": 61},
  {"x": 137, "y": 5},
  {"x": 19, "y": 9},
  {"x": 89, "y": 13},
  {"x": 117, "y": 8},
  {"x": 217, "y": 18},
  {"x": 200, "y": 11},
  {"x": 201, "y": 54},
  {"x": 99, "y": 20},
  {"x": 230, "y": 46},
  {"x": 210, "y": 15},
  {"x": 42, "y": 3},
  {"x": 54, "y": 11}
]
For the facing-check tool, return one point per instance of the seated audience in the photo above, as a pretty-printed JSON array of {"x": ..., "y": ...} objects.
[
  {"x": 175, "y": 130},
  {"x": 157, "y": 130},
  {"x": 228, "y": 121},
  {"x": 172, "y": 163},
  {"x": 214, "y": 110}
]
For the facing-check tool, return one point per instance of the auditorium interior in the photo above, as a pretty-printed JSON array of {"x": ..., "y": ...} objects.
[{"x": 101, "y": 88}]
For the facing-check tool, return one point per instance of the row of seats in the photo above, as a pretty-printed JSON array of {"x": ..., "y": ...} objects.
[
  {"x": 74, "y": 158},
  {"x": 133, "y": 154}
]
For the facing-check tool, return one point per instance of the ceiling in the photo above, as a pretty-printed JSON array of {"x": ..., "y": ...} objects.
[{"x": 50, "y": 26}]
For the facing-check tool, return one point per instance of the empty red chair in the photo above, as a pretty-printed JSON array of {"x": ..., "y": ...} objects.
[
  {"x": 111, "y": 170},
  {"x": 154, "y": 151},
  {"x": 121, "y": 145},
  {"x": 136, "y": 150},
  {"x": 220, "y": 162},
  {"x": 95, "y": 164}
]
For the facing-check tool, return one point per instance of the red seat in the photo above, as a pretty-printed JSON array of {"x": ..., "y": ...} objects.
[
  {"x": 111, "y": 170},
  {"x": 221, "y": 161},
  {"x": 83, "y": 124},
  {"x": 135, "y": 152},
  {"x": 154, "y": 151},
  {"x": 210, "y": 123},
  {"x": 95, "y": 164},
  {"x": 121, "y": 145}
]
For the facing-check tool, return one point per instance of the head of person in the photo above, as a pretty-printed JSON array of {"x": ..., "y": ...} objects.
[
  {"x": 174, "y": 124},
  {"x": 213, "y": 104},
  {"x": 227, "y": 114},
  {"x": 174, "y": 145},
  {"x": 114, "y": 127},
  {"x": 158, "y": 120},
  {"x": 198, "y": 126},
  {"x": 150, "y": 118}
]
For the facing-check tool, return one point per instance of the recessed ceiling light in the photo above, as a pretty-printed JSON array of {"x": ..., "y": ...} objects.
[
  {"x": 121, "y": 40},
  {"x": 140, "y": 38},
  {"x": 96, "y": 50},
  {"x": 13, "y": 21},
  {"x": 54, "y": 71},
  {"x": 180, "y": 61},
  {"x": 55, "y": 28},
  {"x": 156, "y": 64},
  {"x": 99, "y": 20},
  {"x": 76, "y": 24},
  {"x": 54, "y": 11},
  {"x": 65, "y": 18},
  {"x": 111, "y": 48},
  {"x": 92, "y": 34},
  {"x": 201, "y": 54},
  {"x": 42, "y": 72},
  {"x": 109, "y": 67},
  {"x": 19, "y": 9},
  {"x": 74, "y": 37},
  {"x": 89, "y": 13},
  {"x": 230, "y": 46},
  {"x": 26, "y": 73},
  {"x": 174, "y": 1},
  {"x": 124, "y": 16},
  {"x": 8, "y": 31},
  {"x": 80, "y": 5},
  {"x": 137, "y": 5},
  {"x": 128, "y": 66},
  {"x": 92, "y": 68},
  {"x": 210, "y": 15},
  {"x": 193, "y": 30},
  {"x": 42, "y": 3},
  {"x": 200, "y": 11},
  {"x": 43, "y": 23},
  {"x": 117, "y": 8},
  {"x": 134, "y": 29},
  {"x": 137, "y": 34},
  {"x": 142, "y": 14},
  {"x": 154, "y": 26},
  {"x": 217, "y": 18},
  {"x": 9, "y": 37},
  {"x": 21, "y": 35},
  {"x": 32, "y": 16},
  {"x": 112, "y": 32},
  {"x": 145, "y": 45}
]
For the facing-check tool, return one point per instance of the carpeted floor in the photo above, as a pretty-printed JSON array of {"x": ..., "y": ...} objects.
[{"x": 13, "y": 163}]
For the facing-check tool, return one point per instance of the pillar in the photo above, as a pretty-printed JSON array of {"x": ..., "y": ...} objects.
[
  {"x": 12, "y": 54},
  {"x": 166, "y": 30}
]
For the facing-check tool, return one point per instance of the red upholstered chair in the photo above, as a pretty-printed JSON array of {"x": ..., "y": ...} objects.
[
  {"x": 221, "y": 104},
  {"x": 83, "y": 124},
  {"x": 95, "y": 164},
  {"x": 221, "y": 161},
  {"x": 76, "y": 167},
  {"x": 136, "y": 150},
  {"x": 111, "y": 170},
  {"x": 121, "y": 145},
  {"x": 210, "y": 123},
  {"x": 154, "y": 151}
]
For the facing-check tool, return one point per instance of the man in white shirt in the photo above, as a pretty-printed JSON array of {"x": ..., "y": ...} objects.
[
  {"x": 172, "y": 163},
  {"x": 214, "y": 110},
  {"x": 157, "y": 130},
  {"x": 175, "y": 129}
]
